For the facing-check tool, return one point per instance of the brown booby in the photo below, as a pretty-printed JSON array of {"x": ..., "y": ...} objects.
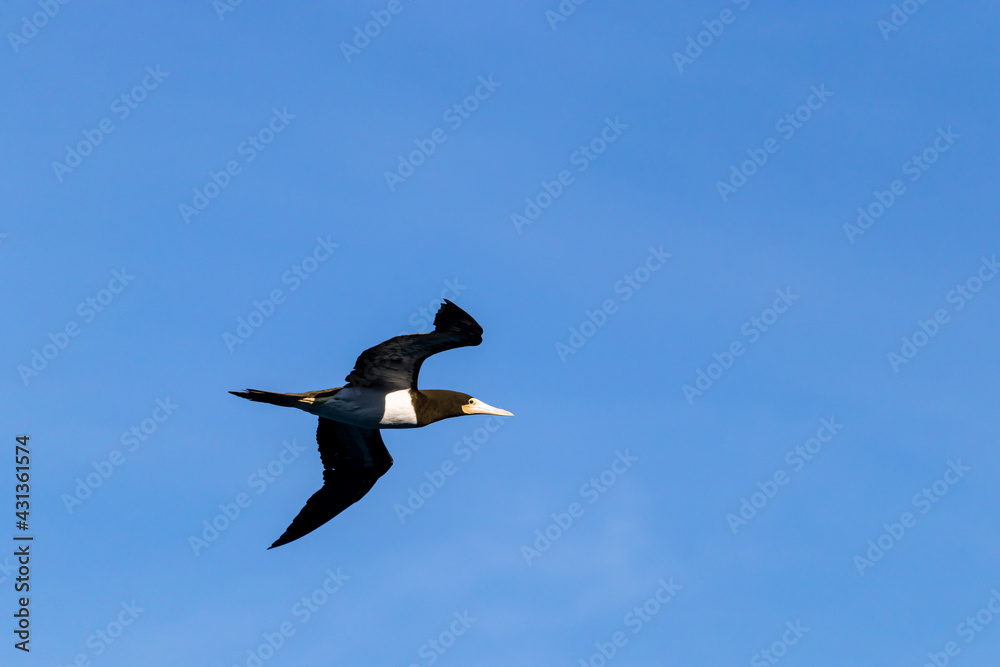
[{"x": 381, "y": 392}]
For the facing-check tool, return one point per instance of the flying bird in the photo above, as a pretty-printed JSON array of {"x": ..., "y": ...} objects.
[{"x": 381, "y": 392}]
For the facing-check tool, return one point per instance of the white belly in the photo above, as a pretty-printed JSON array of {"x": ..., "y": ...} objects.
[
  {"x": 369, "y": 408},
  {"x": 398, "y": 411}
]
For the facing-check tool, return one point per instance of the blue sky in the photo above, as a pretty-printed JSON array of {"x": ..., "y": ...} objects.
[{"x": 746, "y": 420}]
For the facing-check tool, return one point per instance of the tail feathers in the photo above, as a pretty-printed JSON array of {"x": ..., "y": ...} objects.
[{"x": 272, "y": 397}]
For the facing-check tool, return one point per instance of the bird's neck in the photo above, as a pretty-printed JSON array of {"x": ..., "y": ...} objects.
[{"x": 433, "y": 405}]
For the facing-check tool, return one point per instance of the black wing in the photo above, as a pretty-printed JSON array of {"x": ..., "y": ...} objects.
[
  {"x": 394, "y": 364},
  {"x": 353, "y": 460}
]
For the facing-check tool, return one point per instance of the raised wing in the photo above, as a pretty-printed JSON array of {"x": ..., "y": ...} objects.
[
  {"x": 394, "y": 364},
  {"x": 353, "y": 460}
]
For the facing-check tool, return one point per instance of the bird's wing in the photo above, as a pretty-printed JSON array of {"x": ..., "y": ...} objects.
[
  {"x": 394, "y": 364},
  {"x": 353, "y": 460}
]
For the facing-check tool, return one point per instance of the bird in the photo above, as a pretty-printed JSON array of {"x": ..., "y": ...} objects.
[{"x": 381, "y": 393}]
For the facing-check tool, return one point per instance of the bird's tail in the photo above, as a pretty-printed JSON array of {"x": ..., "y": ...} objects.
[{"x": 272, "y": 397}]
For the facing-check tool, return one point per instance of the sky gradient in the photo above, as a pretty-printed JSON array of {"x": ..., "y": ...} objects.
[{"x": 734, "y": 262}]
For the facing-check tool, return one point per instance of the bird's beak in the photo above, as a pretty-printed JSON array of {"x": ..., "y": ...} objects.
[{"x": 481, "y": 408}]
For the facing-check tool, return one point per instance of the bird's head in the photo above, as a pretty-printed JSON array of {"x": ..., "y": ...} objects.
[
  {"x": 440, "y": 404},
  {"x": 473, "y": 406}
]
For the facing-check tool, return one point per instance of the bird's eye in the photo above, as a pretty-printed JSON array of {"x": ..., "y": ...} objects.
[{"x": 472, "y": 401}]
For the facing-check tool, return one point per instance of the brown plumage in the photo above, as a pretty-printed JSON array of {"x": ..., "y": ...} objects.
[{"x": 381, "y": 392}]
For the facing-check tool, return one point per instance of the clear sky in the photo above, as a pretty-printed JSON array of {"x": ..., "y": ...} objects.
[{"x": 734, "y": 261}]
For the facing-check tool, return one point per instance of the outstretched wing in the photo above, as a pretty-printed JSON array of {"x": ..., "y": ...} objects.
[
  {"x": 394, "y": 364},
  {"x": 353, "y": 460}
]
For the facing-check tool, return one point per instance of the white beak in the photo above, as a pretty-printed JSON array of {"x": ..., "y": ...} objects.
[{"x": 480, "y": 408}]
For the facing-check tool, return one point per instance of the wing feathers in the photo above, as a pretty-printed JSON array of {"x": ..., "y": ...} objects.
[
  {"x": 394, "y": 364},
  {"x": 353, "y": 460}
]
